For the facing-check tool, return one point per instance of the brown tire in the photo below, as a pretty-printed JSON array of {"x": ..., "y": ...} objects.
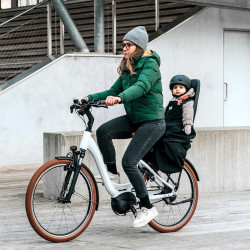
[
  {"x": 176, "y": 212},
  {"x": 52, "y": 219}
]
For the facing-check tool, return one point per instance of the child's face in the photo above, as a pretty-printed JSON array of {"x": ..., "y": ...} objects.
[{"x": 179, "y": 89}]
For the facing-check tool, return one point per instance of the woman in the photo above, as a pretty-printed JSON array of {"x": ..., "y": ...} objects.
[{"x": 139, "y": 88}]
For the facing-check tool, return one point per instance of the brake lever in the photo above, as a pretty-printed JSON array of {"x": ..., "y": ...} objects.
[
  {"x": 99, "y": 106},
  {"x": 75, "y": 105},
  {"x": 103, "y": 106},
  {"x": 84, "y": 101},
  {"x": 72, "y": 108}
]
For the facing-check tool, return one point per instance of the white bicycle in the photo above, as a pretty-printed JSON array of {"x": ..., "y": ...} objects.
[{"x": 62, "y": 195}]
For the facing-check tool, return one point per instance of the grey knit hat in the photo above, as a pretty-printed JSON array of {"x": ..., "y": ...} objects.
[{"x": 138, "y": 36}]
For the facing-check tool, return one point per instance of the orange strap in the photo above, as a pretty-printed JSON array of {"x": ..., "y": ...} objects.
[{"x": 183, "y": 98}]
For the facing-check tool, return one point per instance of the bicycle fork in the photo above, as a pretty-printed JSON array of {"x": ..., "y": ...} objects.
[{"x": 77, "y": 160}]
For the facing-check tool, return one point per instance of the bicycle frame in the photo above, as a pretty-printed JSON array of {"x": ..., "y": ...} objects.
[
  {"x": 114, "y": 189},
  {"x": 51, "y": 215}
]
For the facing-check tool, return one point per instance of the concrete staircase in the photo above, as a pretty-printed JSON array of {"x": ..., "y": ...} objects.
[{"x": 27, "y": 46}]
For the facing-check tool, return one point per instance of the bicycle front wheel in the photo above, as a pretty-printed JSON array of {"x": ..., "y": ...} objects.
[
  {"x": 174, "y": 212},
  {"x": 50, "y": 217}
]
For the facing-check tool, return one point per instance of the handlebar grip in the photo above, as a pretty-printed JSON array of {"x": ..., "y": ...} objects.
[
  {"x": 84, "y": 101},
  {"x": 71, "y": 108},
  {"x": 104, "y": 102}
]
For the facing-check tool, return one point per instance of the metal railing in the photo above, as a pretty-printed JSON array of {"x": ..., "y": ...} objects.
[
  {"x": 28, "y": 38},
  {"x": 56, "y": 39},
  {"x": 50, "y": 35},
  {"x": 114, "y": 22}
]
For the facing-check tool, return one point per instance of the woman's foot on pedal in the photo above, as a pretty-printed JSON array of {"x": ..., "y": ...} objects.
[
  {"x": 113, "y": 177},
  {"x": 144, "y": 216}
]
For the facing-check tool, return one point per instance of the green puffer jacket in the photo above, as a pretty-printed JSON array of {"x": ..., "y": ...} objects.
[{"x": 141, "y": 93}]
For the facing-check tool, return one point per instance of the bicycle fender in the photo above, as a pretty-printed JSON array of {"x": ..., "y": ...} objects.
[
  {"x": 193, "y": 168},
  {"x": 62, "y": 158}
]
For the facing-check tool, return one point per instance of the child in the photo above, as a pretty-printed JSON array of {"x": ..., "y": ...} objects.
[{"x": 170, "y": 151}]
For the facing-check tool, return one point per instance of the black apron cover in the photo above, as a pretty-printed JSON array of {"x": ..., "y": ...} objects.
[
  {"x": 170, "y": 155},
  {"x": 170, "y": 151}
]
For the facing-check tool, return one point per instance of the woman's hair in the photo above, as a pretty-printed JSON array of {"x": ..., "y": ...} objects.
[{"x": 129, "y": 63}]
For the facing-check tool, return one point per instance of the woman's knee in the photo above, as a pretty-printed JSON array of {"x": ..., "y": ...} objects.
[
  {"x": 101, "y": 132},
  {"x": 128, "y": 163}
]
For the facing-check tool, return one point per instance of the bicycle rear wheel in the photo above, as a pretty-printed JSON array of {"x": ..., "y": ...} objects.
[
  {"x": 174, "y": 212},
  {"x": 50, "y": 217}
]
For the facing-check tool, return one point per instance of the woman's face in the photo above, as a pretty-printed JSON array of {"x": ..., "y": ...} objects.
[{"x": 128, "y": 48}]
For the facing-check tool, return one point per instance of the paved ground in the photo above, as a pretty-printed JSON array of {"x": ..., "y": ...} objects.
[{"x": 221, "y": 221}]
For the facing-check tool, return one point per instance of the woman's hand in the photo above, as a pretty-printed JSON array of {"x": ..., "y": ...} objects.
[{"x": 112, "y": 100}]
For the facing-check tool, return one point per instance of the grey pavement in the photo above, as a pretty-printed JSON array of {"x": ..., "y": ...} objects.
[{"x": 221, "y": 221}]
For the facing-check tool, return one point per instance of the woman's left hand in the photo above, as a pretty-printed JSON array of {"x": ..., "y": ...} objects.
[{"x": 112, "y": 100}]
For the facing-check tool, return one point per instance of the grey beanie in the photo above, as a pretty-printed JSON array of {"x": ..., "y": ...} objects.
[{"x": 138, "y": 36}]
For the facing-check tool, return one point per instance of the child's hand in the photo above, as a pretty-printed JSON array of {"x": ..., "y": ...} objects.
[
  {"x": 187, "y": 129},
  {"x": 85, "y": 98}
]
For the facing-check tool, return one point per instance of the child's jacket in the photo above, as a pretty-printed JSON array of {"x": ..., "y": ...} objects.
[
  {"x": 179, "y": 113},
  {"x": 171, "y": 149}
]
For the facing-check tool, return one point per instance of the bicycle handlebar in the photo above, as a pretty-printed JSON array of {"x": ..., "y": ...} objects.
[{"x": 83, "y": 107}]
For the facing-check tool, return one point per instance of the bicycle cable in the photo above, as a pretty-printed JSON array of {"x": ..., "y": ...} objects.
[{"x": 82, "y": 117}]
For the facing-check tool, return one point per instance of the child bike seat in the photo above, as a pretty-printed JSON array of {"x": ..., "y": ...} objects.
[{"x": 195, "y": 84}]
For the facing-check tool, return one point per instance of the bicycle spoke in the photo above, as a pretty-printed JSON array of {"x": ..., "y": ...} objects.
[
  {"x": 51, "y": 219},
  {"x": 52, "y": 192},
  {"x": 59, "y": 224},
  {"x": 81, "y": 196},
  {"x": 73, "y": 214},
  {"x": 54, "y": 181},
  {"x": 175, "y": 209},
  {"x": 65, "y": 218}
]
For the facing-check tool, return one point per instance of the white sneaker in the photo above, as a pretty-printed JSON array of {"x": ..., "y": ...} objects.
[
  {"x": 113, "y": 177},
  {"x": 144, "y": 216}
]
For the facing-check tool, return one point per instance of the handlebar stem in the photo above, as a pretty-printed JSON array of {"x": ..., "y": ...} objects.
[{"x": 90, "y": 122}]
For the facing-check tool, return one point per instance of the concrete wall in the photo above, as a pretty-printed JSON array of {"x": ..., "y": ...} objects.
[
  {"x": 40, "y": 103},
  {"x": 220, "y": 157},
  {"x": 195, "y": 48}
]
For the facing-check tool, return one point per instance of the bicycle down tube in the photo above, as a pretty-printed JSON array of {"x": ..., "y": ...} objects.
[{"x": 88, "y": 142}]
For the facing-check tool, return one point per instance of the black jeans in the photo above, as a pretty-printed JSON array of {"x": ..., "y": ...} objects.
[{"x": 147, "y": 134}]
